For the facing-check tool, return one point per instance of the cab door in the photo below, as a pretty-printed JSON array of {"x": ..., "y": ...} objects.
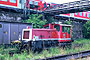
[
  {"x": 56, "y": 34},
  {"x": 64, "y": 32},
  {"x": 6, "y": 33},
  {"x": 68, "y": 32},
  {"x": 14, "y": 31}
]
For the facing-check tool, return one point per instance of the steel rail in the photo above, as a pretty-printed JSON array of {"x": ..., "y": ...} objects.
[{"x": 69, "y": 56}]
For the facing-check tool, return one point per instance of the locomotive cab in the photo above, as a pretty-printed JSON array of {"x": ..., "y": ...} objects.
[{"x": 62, "y": 30}]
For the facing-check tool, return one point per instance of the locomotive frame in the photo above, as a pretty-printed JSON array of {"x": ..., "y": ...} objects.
[{"x": 49, "y": 36}]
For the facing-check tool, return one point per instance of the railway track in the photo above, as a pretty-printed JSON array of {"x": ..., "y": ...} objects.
[{"x": 78, "y": 55}]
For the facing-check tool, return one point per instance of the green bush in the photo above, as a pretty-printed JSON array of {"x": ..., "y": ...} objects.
[
  {"x": 36, "y": 20},
  {"x": 50, "y": 19},
  {"x": 86, "y": 29}
]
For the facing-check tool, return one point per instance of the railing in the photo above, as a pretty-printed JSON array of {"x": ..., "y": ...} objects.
[{"x": 71, "y": 5}]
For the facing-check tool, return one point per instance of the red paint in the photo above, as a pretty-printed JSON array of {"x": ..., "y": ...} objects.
[
  {"x": 67, "y": 14},
  {"x": 64, "y": 40},
  {"x": 40, "y": 4},
  {"x": 50, "y": 32},
  {"x": 8, "y": 3},
  {"x": 36, "y": 0},
  {"x": 78, "y": 15},
  {"x": 82, "y": 15}
]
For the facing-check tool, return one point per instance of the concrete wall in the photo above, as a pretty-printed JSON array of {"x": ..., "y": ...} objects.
[
  {"x": 77, "y": 30},
  {"x": 10, "y": 16}
]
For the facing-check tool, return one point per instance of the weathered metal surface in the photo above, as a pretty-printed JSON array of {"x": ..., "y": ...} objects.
[
  {"x": 11, "y": 31},
  {"x": 1, "y": 32},
  {"x": 6, "y": 38},
  {"x": 14, "y": 31}
]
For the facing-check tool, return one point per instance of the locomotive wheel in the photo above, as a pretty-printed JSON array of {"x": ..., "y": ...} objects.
[
  {"x": 27, "y": 48},
  {"x": 69, "y": 45},
  {"x": 33, "y": 49}
]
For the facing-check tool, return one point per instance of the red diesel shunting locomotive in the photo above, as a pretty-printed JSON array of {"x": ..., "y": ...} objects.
[{"x": 49, "y": 35}]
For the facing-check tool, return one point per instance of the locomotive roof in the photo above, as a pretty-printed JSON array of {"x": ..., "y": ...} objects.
[
  {"x": 57, "y": 24},
  {"x": 64, "y": 24}
]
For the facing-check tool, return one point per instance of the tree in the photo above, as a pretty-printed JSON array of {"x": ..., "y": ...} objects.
[
  {"x": 68, "y": 22},
  {"x": 50, "y": 19},
  {"x": 36, "y": 20},
  {"x": 86, "y": 29}
]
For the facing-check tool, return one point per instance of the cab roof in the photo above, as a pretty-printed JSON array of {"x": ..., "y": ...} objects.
[{"x": 57, "y": 24}]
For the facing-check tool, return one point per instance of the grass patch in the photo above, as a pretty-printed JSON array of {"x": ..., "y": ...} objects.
[
  {"x": 77, "y": 46},
  {"x": 81, "y": 41}
]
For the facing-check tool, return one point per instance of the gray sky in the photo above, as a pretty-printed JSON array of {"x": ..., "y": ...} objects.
[{"x": 60, "y": 1}]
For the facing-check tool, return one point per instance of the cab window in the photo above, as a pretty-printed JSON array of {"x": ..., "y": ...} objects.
[
  {"x": 57, "y": 27},
  {"x": 68, "y": 30},
  {"x": 20, "y": 1},
  {"x": 26, "y": 35},
  {"x": 13, "y": 1},
  {"x": 64, "y": 29},
  {"x": 46, "y": 27},
  {"x": 80, "y": 13},
  {"x": 76, "y": 13},
  {"x": 84, "y": 14},
  {"x": 3, "y": 0},
  {"x": 88, "y": 15}
]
